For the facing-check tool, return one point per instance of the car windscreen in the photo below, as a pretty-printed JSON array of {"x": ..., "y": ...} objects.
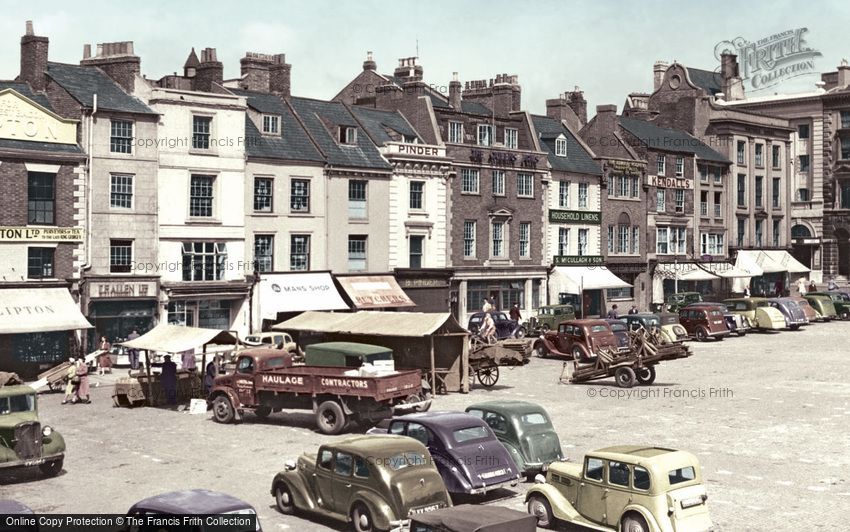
[
  {"x": 598, "y": 329},
  {"x": 683, "y": 474},
  {"x": 533, "y": 419},
  {"x": 257, "y": 340},
  {"x": 618, "y": 327},
  {"x": 17, "y": 403},
  {"x": 407, "y": 459},
  {"x": 469, "y": 434}
]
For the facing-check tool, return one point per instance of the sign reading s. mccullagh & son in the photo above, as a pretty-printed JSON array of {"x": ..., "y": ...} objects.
[
  {"x": 574, "y": 217},
  {"x": 578, "y": 260}
]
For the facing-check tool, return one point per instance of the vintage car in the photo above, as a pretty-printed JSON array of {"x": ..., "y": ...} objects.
[
  {"x": 578, "y": 339},
  {"x": 373, "y": 482},
  {"x": 525, "y": 430},
  {"x": 272, "y": 339},
  {"x": 505, "y": 327},
  {"x": 841, "y": 301},
  {"x": 811, "y": 314},
  {"x": 549, "y": 317},
  {"x": 628, "y": 488},
  {"x": 736, "y": 323},
  {"x": 666, "y": 323},
  {"x": 791, "y": 311},
  {"x": 704, "y": 321},
  {"x": 621, "y": 332},
  {"x": 756, "y": 309},
  {"x": 467, "y": 453},
  {"x": 24, "y": 441},
  {"x": 473, "y": 518},
  {"x": 823, "y": 305},
  {"x": 681, "y": 299},
  {"x": 196, "y": 502}
]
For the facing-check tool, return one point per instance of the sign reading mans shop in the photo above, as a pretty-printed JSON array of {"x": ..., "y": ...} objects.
[
  {"x": 670, "y": 182},
  {"x": 41, "y": 234},
  {"x": 574, "y": 217},
  {"x": 578, "y": 260}
]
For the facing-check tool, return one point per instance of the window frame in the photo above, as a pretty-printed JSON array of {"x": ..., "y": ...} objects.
[
  {"x": 661, "y": 165},
  {"x": 488, "y": 137},
  {"x": 267, "y": 258},
  {"x": 455, "y": 132},
  {"x": 300, "y": 203},
  {"x": 680, "y": 166},
  {"x": 358, "y": 207},
  {"x": 661, "y": 200},
  {"x": 583, "y": 194},
  {"x": 470, "y": 174},
  {"x": 199, "y": 203},
  {"x": 417, "y": 197},
  {"x": 469, "y": 239},
  {"x": 511, "y": 134},
  {"x": 498, "y": 239},
  {"x": 119, "y": 267},
  {"x": 42, "y": 252},
  {"x": 563, "y": 241},
  {"x": 119, "y": 141},
  {"x": 37, "y": 213},
  {"x": 198, "y": 258},
  {"x": 357, "y": 239},
  {"x": 524, "y": 240},
  {"x": 269, "y": 197},
  {"x": 201, "y": 136},
  {"x": 118, "y": 191},
  {"x": 679, "y": 200},
  {"x": 296, "y": 254},
  {"x": 564, "y": 194},
  {"x": 498, "y": 176},
  {"x": 271, "y": 124},
  {"x": 525, "y": 185},
  {"x": 560, "y": 147},
  {"x": 411, "y": 254}
]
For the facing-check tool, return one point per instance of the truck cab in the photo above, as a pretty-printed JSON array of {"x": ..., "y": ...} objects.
[{"x": 24, "y": 441}]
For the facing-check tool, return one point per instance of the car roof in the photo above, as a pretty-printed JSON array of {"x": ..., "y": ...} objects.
[
  {"x": 702, "y": 304},
  {"x": 471, "y": 518},
  {"x": 509, "y": 407},
  {"x": 16, "y": 389},
  {"x": 660, "y": 456},
  {"x": 353, "y": 348},
  {"x": 445, "y": 419},
  {"x": 587, "y": 321},
  {"x": 378, "y": 445},
  {"x": 641, "y": 315},
  {"x": 195, "y": 501},
  {"x": 262, "y": 352}
]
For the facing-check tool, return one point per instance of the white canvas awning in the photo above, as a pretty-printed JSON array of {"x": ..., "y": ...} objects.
[
  {"x": 759, "y": 262},
  {"x": 177, "y": 338},
  {"x": 376, "y": 323},
  {"x": 297, "y": 292},
  {"x": 684, "y": 271},
  {"x": 33, "y": 310},
  {"x": 574, "y": 279},
  {"x": 787, "y": 261},
  {"x": 728, "y": 271}
]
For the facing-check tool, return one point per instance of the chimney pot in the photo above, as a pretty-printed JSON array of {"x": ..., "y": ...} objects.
[
  {"x": 29, "y": 28},
  {"x": 86, "y": 51}
]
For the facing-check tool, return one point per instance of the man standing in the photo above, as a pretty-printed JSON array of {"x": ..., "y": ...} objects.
[
  {"x": 612, "y": 314},
  {"x": 514, "y": 313},
  {"x": 832, "y": 285},
  {"x": 187, "y": 359},
  {"x": 801, "y": 286},
  {"x": 486, "y": 306},
  {"x": 633, "y": 310},
  {"x": 133, "y": 353},
  {"x": 169, "y": 380}
]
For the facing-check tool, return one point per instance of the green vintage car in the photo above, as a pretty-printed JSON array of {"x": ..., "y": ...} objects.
[
  {"x": 375, "y": 482},
  {"x": 840, "y": 300},
  {"x": 823, "y": 305},
  {"x": 525, "y": 430},
  {"x": 624, "y": 488},
  {"x": 682, "y": 299},
  {"x": 24, "y": 442},
  {"x": 549, "y": 317}
]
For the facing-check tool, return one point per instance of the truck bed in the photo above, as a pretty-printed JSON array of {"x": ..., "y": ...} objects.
[{"x": 317, "y": 380}]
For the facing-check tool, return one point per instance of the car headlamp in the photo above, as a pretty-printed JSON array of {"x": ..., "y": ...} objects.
[{"x": 46, "y": 431}]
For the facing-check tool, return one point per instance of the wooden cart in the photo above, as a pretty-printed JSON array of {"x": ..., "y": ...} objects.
[
  {"x": 55, "y": 378},
  {"x": 486, "y": 358}
]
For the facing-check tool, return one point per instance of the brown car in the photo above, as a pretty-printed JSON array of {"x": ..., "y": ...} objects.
[
  {"x": 577, "y": 339},
  {"x": 704, "y": 320}
]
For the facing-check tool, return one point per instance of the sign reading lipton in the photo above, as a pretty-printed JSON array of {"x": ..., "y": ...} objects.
[
  {"x": 41, "y": 234},
  {"x": 578, "y": 260},
  {"x": 670, "y": 182},
  {"x": 22, "y": 119},
  {"x": 574, "y": 217},
  {"x": 421, "y": 150},
  {"x": 122, "y": 289}
]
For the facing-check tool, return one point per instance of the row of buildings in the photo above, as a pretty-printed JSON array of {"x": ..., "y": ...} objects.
[{"x": 128, "y": 201}]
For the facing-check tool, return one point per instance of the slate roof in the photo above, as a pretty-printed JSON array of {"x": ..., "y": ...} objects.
[
  {"x": 376, "y": 122},
  {"x": 292, "y": 143},
  {"x": 578, "y": 159},
  {"x": 316, "y": 113},
  {"x": 673, "y": 140},
  {"x": 9, "y": 144},
  {"x": 437, "y": 100},
  {"x": 474, "y": 107},
  {"x": 707, "y": 80},
  {"x": 24, "y": 90},
  {"x": 83, "y": 82}
]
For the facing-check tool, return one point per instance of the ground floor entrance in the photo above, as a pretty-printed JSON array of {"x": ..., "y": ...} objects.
[{"x": 504, "y": 287}]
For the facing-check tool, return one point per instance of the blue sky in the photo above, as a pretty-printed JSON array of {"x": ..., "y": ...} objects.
[{"x": 605, "y": 47}]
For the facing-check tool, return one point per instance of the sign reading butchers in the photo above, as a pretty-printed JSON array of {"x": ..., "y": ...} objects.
[
  {"x": 41, "y": 234},
  {"x": 374, "y": 291}
]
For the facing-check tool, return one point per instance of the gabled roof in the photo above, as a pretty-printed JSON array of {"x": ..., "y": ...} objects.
[
  {"x": 578, "y": 159},
  {"x": 707, "y": 80},
  {"x": 292, "y": 142},
  {"x": 38, "y": 98},
  {"x": 83, "y": 82},
  {"x": 437, "y": 99},
  {"x": 468, "y": 106},
  {"x": 320, "y": 118},
  {"x": 24, "y": 90},
  {"x": 673, "y": 140},
  {"x": 376, "y": 123}
]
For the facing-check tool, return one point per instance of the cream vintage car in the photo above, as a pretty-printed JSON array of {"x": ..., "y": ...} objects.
[
  {"x": 624, "y": 488},
  {"x": 758, "y": 311}
]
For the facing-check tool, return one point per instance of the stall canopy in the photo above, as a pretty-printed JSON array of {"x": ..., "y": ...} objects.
[
  {"x": 35, "y": 310},
  {"x": 574, "y": 279},
  {"x": 684, "y": 272},
  {"x": 759, "y": 262},
  {"x": 374, "y": 291},
  {"x": 296, "y": 292},
  {"x": 407, "y": 324},
  {"x": 727, "y": 271},
  {"x": 177, "y": 338}
]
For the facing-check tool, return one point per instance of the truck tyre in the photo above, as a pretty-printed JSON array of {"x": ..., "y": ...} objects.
[
  {"x": 625, "y": 377},
  {"x": 646, "y": 375},
  {"x": 51, "y": 468},
  {"x": 223, "y": 409},
  {"x": 263, "y": 412},
  {"x": 361, "y": 518},
  {"x": 330, "y": 418},
  {"x": 283, "y": 499},
  {"x": 539, "y": 507},
  {"x": 634, "y": 523}
]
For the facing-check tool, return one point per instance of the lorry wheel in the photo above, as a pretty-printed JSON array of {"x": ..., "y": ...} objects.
[
  {"x": 283, "y": 499},
  {"x": 540, "y": 508},
  {"x": 634, "y": 523},
  {"x": 330, "y": 418},
  {"x": 51, "y": 468},
  {"x": 625, "y": 377},
  {"x": 646, "y": 375},
  {"x": 361, "y": 518},
  {"x": 540, "y": 351},
  {"x": 223, "y": 409},
  {"x": 263, "y": 412}
]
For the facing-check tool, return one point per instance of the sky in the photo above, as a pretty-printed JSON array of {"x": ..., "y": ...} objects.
[{"x": 605, "y": 47}]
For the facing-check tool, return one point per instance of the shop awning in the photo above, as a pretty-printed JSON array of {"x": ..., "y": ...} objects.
[
  {"x": 410, "y": 324},
  {"x": 759, "y": 262},
  {"x": 32, "y": 310},
  {"x": 177, "y": 338},
  {"x": 684, "y": 271},
  {"x": 374, "y": 291},
  {"x": 297, "y": 292},
  {"x": 728, "y": 271},
  {"x": 574, "y": 279},
  {"x": 787, "y": 261}
]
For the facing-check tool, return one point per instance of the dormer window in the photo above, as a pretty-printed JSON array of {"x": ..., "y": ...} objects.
[
  {"x": 347, "y": 135},
  {"x": 561, "y": 147},
  {"x": 271, "y": 124}
]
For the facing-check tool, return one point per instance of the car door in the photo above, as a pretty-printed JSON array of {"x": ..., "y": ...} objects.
[
  {"x": 245, "y": 380},
  {"x": 590, "y": 502},
  {"x": 563, "y": 341},
  {"x": 342, "y": 487},
  {"x": 617, "y": 494},
  {"x": 323, "y": 479}
]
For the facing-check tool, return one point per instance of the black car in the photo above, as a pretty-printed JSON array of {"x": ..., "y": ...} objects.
[
  {"x": 621, "y": 330},
  {"x": 467, "y": 453},
  {"x": 197, "y": 502},
  {"x": 505, "y": 327}
]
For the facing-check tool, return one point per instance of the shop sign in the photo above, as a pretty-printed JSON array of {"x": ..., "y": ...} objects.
[
  {"x": 670, "y": 182},
  {"x": 423, "y": 283},
  {"x": 21, "y": 119},
  {"x": 625, "y": 167},
  {"x": 122, "y": 289},
  {"x": 41, "y": 234},
  {"x": 574, "y": 217},
  {"x": 420, "y": 150},
  {"x": 578, "y": 260}
]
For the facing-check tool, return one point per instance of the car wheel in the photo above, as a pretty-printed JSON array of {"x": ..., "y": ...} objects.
[
  {"x": 361, "y": 518},
  {"x": 263, "y": 412},
  {"x": 521, "y": 332},
  {"x": 634, "y": 523},
  {"x": 793, "y": 327},
  {"x": 223, "y": 409},
  {"x": 540, "y": 508},
  {"x": 578, "y": 354},
  {"x": 544, "y": 328},
  {"x": 700, "y": 334},
  {"x": 740, "y": 334},
  {"x": 625, "y": 377},
  {"x": 646, "y": 375},
  {"x": 540, "y": 351},
  {"x": 51, "y": 468},
  {"x": 330, "y": 418},
  {"x": 283, "y": 499}
]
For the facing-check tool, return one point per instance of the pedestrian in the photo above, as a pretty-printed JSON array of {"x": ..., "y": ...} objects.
[
  {"x": 812, "y": 286},
  {"x": 133, "y": 353},
  {"x": 514, "y": 313},
  {"x": 209, "y": 377},
  {"x": 634, "y": 310},
  {"x": 801, "y": 286},
  {"x": 486, "y": 306},
  {"x": 82, "y": 374},
  {"x": 187, "y": 359},
  {"x": 832, "y": 285},
  {"x": 779, "y": 288},
  {"x": 104, "y": 360},
  {"x": 747, "y": 292},
  {"x": 488, "y": 328},
  {"x": 72, "y": 381},
  {"x": 169, "y": 380},
  {"x": 612, "y": 314}
]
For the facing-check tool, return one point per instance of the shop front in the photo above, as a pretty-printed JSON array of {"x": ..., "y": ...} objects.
[
  {"x": 214, "y": 306},
  {"x": 584, "y": 287},
  {"x": 773, "y": 271},
  {"x": 670, "y": 278},
  {"x": 118, "y": 306},
  {"x": 429, "y": 288},
  {"x": 504, "y": 287}
]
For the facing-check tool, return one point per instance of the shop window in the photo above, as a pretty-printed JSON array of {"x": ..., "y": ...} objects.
[
  {"x": 476, "y": 292},
  {"x": 40, "y": 262},
  {"x": 214, "y": 314},
  {"x": 40, "y": 348},
  {"x": 41, "y": 198},
  {"x": 181, "y": 313},
  {"x": 627, "y": 292},
  {"x": 512, "y": 293}
]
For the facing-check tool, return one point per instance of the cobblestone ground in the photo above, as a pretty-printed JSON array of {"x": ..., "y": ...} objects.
[{"x": 766, "y": 415}]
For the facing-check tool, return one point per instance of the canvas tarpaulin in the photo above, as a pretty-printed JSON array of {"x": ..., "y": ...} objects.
[
  {"x": 35, "y": 310},
  {"x": 177, "y": 338}
]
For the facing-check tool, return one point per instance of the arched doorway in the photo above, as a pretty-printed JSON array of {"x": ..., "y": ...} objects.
[
  {"x": 843, "y": 238},
  {"x": 801, "y": 250}
]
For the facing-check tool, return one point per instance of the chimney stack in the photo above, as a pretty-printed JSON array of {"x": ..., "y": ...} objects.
[
  {"x": 658, "y": 71},
  {"x": 606, "y": 118},
  {"x": 369, "y": 64},
  {"x": 843, "y": 74},
  {"x": 117, "y": 61},
  {"x": 731, "y": 84},
  {"x": 34, "y": 59},
  {"x": 255, "y": 70},
  {"x": 209, "y": 71},
  {"x": 454, "y": 92},
  {"x": 408, "y": 70},
  {"x": 280, "y": 76},
  {"x": 578, "y": 104}
]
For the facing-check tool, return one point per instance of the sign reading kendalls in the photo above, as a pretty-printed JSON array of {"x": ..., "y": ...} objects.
[
  {"x": 578, "y": 260},
  {"x": 41, "y": 234},
  {"x": 574, "y": 217},
  {"x": 670, "y": 182}
]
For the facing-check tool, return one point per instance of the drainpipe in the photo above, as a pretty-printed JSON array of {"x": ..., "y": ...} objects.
[{"x": 88, "y": 190}]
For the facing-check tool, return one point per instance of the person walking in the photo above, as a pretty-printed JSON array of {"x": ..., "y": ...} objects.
[
  {"x": 812, "y": 286},
  {"x": 209, "y": 377},
  {"x": 187, "y": 359},
  {"x": 515, "y": 314},
  {"x": 104, "y": 360},
  {"x": 72, "y": 381},
  {"x": 133, "y": 354},
  {"x": 82, "y": 374},
  {"x": 801, "y": 286},
  {"x": 169, "y": 380},
  {"x": 486, "y": 306},
  {"x": 612, "y": 314},
  {"x": 832, "y": 285}
]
